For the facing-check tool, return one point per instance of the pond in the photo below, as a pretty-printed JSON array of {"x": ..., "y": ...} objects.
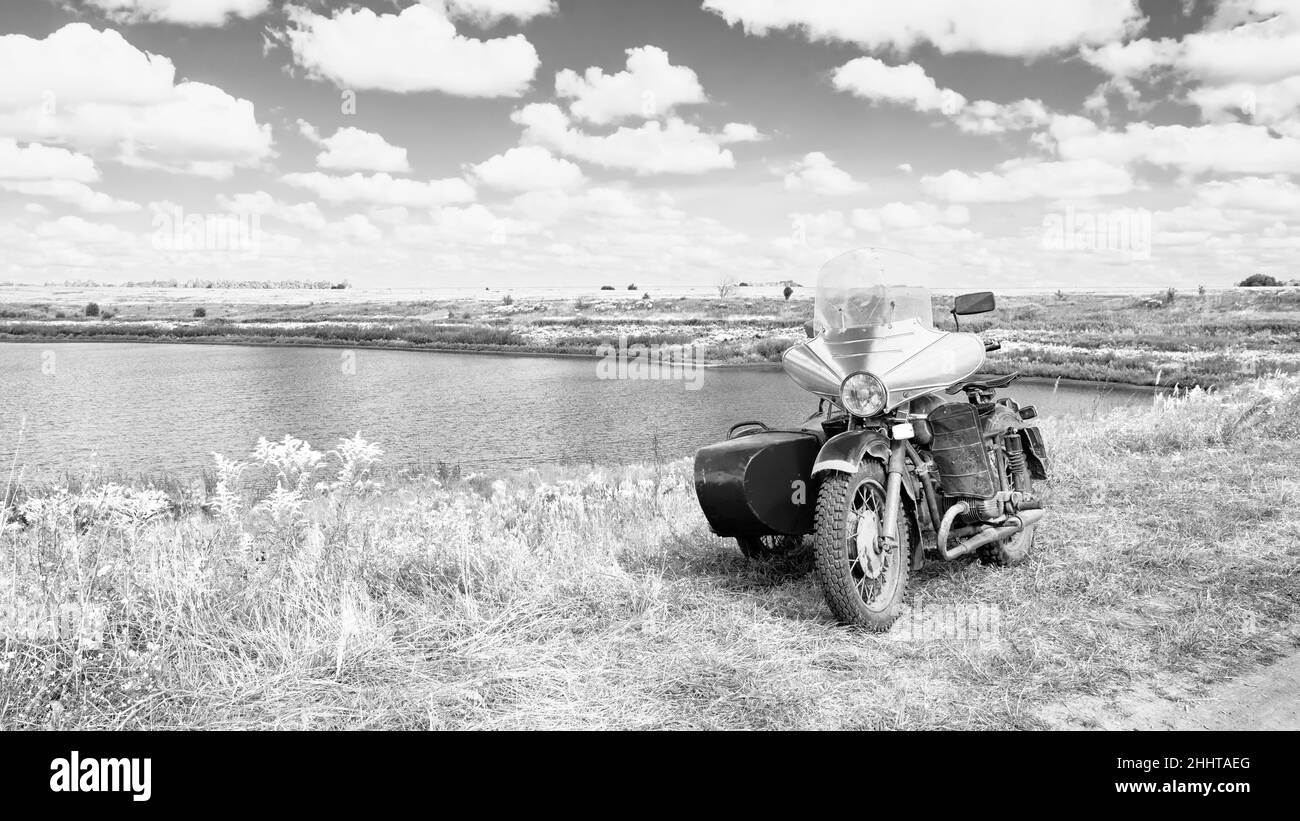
[{"x": 150, "y": 408}]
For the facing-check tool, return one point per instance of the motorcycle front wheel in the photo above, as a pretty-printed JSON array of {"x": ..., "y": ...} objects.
[{"x": 862, "y": 578}]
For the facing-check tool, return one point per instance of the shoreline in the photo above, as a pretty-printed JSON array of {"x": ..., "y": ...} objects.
[{"x": 116, "y": 339}]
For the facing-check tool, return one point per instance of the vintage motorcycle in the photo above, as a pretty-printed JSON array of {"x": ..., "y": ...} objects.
[{"x": 887, "y": 474}]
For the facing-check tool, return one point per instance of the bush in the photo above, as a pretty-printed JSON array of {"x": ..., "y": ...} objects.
[
  {"x": 646, "y": 295},
  {"x": 788, "y": 292},
  {"x": 632, "y": 287},
  {"x": 92, "y": 309},
  {"x": 607, "y": 288},
  {"x": 1259, "y": 281},
  {"x": 507, "y": 300},
  {"x": 199, "y": 313},
  {"x": 106, "y": 315}
]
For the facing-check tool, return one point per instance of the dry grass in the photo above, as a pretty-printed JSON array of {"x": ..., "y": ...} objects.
[{"x": 598, "y": 598}]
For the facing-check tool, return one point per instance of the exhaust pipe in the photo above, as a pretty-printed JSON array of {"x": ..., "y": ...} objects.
[{"x": 1017, "y": 523}]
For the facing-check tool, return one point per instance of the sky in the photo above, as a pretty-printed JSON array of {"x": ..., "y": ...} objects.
[{"x": 573, "y": 143}]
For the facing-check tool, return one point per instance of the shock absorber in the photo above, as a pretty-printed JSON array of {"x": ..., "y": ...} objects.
[{"x": 1014, "y": 447}]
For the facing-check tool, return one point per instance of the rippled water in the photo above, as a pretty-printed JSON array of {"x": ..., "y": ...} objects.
[{"x": 145, "y": 408}]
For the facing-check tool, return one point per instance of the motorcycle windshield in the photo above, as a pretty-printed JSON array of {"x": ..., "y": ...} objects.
[
  {"x": 871, "y": 287},
  {"x": 870, "y": 316}
]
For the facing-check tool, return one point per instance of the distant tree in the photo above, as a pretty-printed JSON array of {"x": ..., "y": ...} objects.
[
  {"x": 1259, "y": 281},
  {"x": 788, "y": 292},
  {"x": 507, "y": 300},
  {"x": 1200, "y": 291},
  {"x": 1170, "y": 294},
  {"x": 632, "y": 287},
  {"x": 607, "y": 288},
  {"x": 726, "y": 285},
  {"x": 106, "y": 315},
  {"x": 743, "y": 285},
  {"x": 200, "y": 312},
  {"x": 646, "y": 295},
  {"x": 92, "y": 309}
]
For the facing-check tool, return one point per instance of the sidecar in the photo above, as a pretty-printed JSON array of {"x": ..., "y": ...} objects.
[{"x": 758, "y": 482}]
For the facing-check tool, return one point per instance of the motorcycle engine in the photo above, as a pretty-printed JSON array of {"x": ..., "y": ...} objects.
[{"x": 980, "y": 454}]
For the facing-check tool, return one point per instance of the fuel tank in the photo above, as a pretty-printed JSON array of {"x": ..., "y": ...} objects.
[{"x": 759, "y": 484}]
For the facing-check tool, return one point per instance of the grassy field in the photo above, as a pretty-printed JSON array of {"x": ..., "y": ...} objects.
[
  {"x": 313, "y": 590},
  {"x": 1210, "y": 339}
]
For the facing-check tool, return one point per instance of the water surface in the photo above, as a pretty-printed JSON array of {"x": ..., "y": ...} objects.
[{"x": 146, "y": 408}]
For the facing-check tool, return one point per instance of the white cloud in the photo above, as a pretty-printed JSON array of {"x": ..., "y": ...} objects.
[
  {"x": 1013, "y": 28},
  {"x": 303, "y": 214},
  {"x": 382, "y": 189},
  {"x": 95, "y": 92},
  {"x": 554, "y": 205},
  {"x": 740, "y": 133},
  {"x": 904, "y": 216},
  {"x": 1245, "y": 62},
  {"x": 1245, "y": 47},
  {"x": 390, "y": 215},
  {"x": 472, "y": 225},
  {"x": 352, "y": 149},
  {"x": 1275, "y": 103},
  {"x": 528, "y": 168},
  {"x": 1265, "y": 194},
  {"x": 37, "y": 162},
  {"x": 77, "y": 230},
  {"x": 672, "y": 147},
  {"x": 490, "y": 11},
  {"x": 650, "y": 87},
  {"x": 417, "y": 49},
  {"x": 1022, "y": 179},
  {"x": 72, "y": 192},
  {"x": 181, "y": 12},
  {"x": 1222, "y": 147},
  {"x": 987, "y": 117},
  {"x": 907, "y": 84},
  {"x": 79, "y": 64},
  {"x": 357, "y": 228},
  {"x": 819, "y": 174},
  {"x": 1132, "y": 59}
]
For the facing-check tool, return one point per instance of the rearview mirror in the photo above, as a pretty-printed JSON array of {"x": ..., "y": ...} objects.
[{"x": 980, "y": 302}]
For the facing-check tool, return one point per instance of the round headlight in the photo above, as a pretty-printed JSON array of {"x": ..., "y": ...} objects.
[{"x": 863, "y": 394}]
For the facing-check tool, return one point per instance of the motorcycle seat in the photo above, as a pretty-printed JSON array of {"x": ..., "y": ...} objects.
[{"x": 986, "y": 385}]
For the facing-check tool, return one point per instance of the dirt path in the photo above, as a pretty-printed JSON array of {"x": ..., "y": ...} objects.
[{"x": 1265, "y": 700}]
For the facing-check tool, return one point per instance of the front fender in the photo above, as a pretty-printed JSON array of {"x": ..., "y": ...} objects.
[{"x": 845, "y": 451}]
